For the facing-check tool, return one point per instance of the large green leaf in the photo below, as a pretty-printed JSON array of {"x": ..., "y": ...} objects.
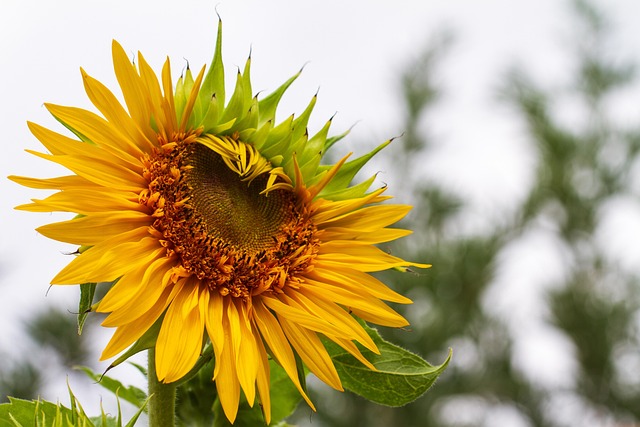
[
  {"x": 401, "y": 376},
  {"x": 38, "y": 413},
  {"x": 131, "y": 394}
]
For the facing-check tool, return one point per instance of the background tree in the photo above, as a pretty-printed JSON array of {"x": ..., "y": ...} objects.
[{"x": 583, "y": 169}]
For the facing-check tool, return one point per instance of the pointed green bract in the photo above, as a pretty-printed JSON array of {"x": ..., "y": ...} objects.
[
  {"x": 348, "y": 171},
  {"x": 253, "y": 122},
  {"x": 213, "y": 84}
]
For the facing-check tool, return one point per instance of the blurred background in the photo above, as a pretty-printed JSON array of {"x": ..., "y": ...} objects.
[{"x": 519, "y": 148}]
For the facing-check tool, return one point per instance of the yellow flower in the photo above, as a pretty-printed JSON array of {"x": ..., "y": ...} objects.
[{"x": 221, "y": 224}]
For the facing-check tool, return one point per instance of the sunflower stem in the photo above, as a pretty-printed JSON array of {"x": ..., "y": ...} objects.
[{"x": 162, "y": 404}]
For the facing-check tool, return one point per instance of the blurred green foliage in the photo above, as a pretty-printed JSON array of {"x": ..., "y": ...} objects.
[{"x": 596, "y": 309}]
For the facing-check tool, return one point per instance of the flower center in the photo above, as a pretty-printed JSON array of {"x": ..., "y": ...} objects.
[
  {"x": 232, "y": 210},
  {"x": 223, "y": 229}
]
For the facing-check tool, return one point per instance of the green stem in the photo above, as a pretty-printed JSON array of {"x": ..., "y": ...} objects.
[{"x": 162, "y": 405}]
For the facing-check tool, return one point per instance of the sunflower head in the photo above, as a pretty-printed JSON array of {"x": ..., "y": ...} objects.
[{"x": 220, "y": 225}]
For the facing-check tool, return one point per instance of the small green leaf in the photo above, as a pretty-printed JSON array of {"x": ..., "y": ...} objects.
[
  {"x": 87, "y": 291},
  {"x": 401, "y": 376},
  {"x": 131, "y": 394},
  {"x": 145, "y": 342}
]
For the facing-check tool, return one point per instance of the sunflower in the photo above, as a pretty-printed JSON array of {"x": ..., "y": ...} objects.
[{"x": 219, "y": 224}]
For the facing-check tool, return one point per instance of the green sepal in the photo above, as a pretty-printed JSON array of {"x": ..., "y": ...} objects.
[
  {"x": 248, "y": 123},
  {"x": 313, "y": 152},
  {"x": 222, "y": 127},
  {"x": 183, "y": 90},
  {"x": 235, "y": 108},
  {"x": 246, "y": 83},
  {"x": 401, "y": 376},
  {"x": 300, "y": 124},
  {"x": 131, "y": 394},
  {"x": 349, "y": 170},
  {"x": 213, "y": 83},
  {"x": 269, "y": 105},
  {"x": 210, "y": 119},
  {"x": 332, "y": 140},
  {"x": 145, "y": 342},
  {"x": 278, "y": 140},
  {"x": 354, "y": 192},
  {"x": 87, "y": 291},
  {"x": 259, "y": 137}
]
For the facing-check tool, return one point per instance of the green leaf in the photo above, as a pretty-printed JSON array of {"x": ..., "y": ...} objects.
[
  {"x": 131, "y": 394},
  {"x": 87, "y": 291},
  {"x": 401, "y": 376},
  {"x": 19, "y": 412}
]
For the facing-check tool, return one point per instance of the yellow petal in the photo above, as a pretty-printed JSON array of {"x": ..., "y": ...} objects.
[
  {"x": 159, "y": 111},
  {"x": 325, "y": 210},
  {"x": 277, "y": 342},
  {"x": 58, "y": 183},
  {"x": 370, "y": 218},
  {"x": 350, "y": 347},
  {"x": 336, "y": 315},
  {"x": 135, "y": 94},
  {"x": 86, "y": 201},
  {"x": 263, "y": 381},
  {"x": 129, "y": 301},
  {"x": 95, "y": 228},
  {"x": 361, "y": 258},
  {"x": 108, "y": 175},
  {"x": 180, "y": 338},
  {"x": 371, "y": 308},
  {"x": 111, "y": 258},
  {"x": 356, "y": 236},
  {"x": 127, "y": 334},
  {"x": 98, "y": 131},
  {"x": 247, "y": 358},
  {"x": 312, "y": 352},
  {"x": 213, "y": 320},
  {"x": 302, "y": 317},
  {"x": 117, "y": 116},
  {"x": 227, "y": 382},
  {"x": 357, "y": 282}
]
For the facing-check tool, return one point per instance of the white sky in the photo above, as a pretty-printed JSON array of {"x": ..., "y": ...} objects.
[{"x": 354, "y": 51}]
